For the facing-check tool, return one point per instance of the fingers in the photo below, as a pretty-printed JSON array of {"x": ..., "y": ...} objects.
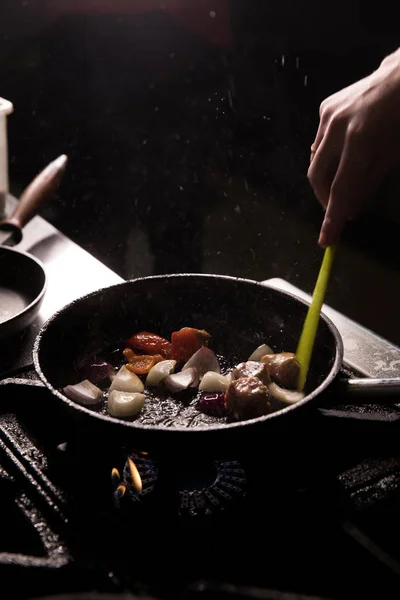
[
  {"x": 326, "y": 150},
  {"x": 356, "y": 144},
  {"x": 325, "y": 114},
  {"x": 319, "y": 137},
  {"x": 323, "y": 166},
  {"x": 354, "y": 181}
]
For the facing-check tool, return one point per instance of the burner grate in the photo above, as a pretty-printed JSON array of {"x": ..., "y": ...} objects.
[
  {"x": 225, "y": 484},
  {"x": 58, "y": 493}
]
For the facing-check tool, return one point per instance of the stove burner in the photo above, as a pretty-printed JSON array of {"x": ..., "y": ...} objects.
[
  {"x": 125, "y": 487},
  {"x": 201, "y": 489},
  {"x": 228, "y": 486}
]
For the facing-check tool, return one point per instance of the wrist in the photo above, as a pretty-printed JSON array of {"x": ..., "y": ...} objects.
[{"x": 391, "y": 59}]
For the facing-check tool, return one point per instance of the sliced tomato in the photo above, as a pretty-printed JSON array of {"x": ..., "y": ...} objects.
[
  {"x": 150, "y": 343},
  {"x": 186, "y": 342},
  {"x": 141, "y": 364}
]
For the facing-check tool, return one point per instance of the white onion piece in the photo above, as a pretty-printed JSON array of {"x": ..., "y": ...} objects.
[
  {"x": 125, "y": 381},
  {"x": 125, "y": 404},
  {"x": 203, "y": 360},
  {"x": 215, "y": 382},
  {"x": 182, "y": 380},
  {"x": 260, "y": 352},
  {"x": 84, "y": 392},
  {"x": 287, "y": 396},
  {"x": 160, "y": 371}
]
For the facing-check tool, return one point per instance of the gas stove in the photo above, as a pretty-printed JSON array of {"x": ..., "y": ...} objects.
[
  {"x": 313, "y": 516},
  {"x": 300, "y": 517}
]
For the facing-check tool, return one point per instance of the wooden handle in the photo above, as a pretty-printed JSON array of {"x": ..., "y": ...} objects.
[{"x": 37, "y": 192}]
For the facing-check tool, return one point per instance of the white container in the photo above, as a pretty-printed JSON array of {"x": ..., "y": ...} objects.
[{"x": 5, "y": 109}]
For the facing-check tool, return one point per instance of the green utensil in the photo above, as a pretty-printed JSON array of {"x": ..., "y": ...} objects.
[{"x": 307, "y": 338}]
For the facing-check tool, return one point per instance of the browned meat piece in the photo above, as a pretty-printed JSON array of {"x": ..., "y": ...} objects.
[
  {"x": 282, "y": 368},
  {"x": 247, "y": 398},
  {"x": 252, "y": 368}
]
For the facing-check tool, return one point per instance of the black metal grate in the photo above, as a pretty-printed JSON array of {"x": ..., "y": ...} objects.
[{"x": 319, "y": 508}]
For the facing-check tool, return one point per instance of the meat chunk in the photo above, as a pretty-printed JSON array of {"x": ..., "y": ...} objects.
[
  {"x": 252, "y": 368},
  {"x": 283, "y": 368},
  {"x": 247, "y": 398}
]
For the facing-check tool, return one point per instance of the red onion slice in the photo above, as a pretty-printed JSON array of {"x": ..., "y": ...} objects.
[
  {"x": 159, "y": 372},
  {"x": 178, "y": 382},
  {"x": 83, "y": 393},
  {"x": 203, "y": 360}
]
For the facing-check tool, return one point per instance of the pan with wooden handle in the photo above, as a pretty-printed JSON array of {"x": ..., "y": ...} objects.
[{"x": 22, "y": 276}]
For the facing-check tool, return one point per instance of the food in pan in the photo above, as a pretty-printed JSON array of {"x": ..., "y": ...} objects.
[{"x": 187, "y": 367}]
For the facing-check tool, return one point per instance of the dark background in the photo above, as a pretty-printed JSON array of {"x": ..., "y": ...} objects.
[{"x": 188, "y": 126}]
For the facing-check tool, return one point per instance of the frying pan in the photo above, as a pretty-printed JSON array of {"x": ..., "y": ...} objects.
[
  {"x": 240, "y": 315},
  {"x": 22, "y": 277}
]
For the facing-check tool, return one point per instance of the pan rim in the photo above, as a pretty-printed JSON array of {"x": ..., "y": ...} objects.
[
  {"x": 140, "y": 427},
  {"x": 39, "y": 296}
]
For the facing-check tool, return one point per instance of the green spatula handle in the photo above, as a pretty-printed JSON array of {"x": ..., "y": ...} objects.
[{"x": 307, "y": 338}]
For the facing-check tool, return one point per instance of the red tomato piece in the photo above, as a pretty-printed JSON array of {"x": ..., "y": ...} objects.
[
  {"x": 150, "y": 343},
  {"x": 186, "y": 342},
  {"x": 142, "y": 364}
]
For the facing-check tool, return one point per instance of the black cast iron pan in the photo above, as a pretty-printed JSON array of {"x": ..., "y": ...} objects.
[
  {"x": 240, "y": 314},
  {"x": 22, "y": 276}
]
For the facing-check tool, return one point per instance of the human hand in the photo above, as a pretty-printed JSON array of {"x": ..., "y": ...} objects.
[{"x": 356, "y": 146}]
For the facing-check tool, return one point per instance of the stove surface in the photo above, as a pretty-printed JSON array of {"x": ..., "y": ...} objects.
[
  {"x": 312, "y": 516},
  {"x": 71, "y": 272},
  {"x": 318, "y": 515}
]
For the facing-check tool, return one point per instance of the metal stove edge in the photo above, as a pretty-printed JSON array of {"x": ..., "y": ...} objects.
[{"x": 364, "y": 351}]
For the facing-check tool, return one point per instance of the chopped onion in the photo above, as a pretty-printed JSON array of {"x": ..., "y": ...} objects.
[
  {"x": 84, "y": 392},
  {"x": 287, "y": 396},
  {"x": 126, "y": 381},
  {"x": 160, "y": 371},
  {"x": 182, "y": 380},
  {"x": 260, "y": 351},
  {"x": 203, "y": 360},
  {"x": 125, "y": 404},
  {"x": 214, "y": 382}
]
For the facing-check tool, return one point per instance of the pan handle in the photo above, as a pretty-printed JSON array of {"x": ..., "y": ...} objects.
[
  {"x": 35, "y": 195},
  {"x": 373, "y": 390},
  {"x": 17, "y": 381}
]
